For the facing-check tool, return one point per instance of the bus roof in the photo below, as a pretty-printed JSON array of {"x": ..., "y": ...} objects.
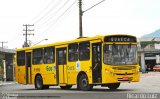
[{"x": 82, "y": 39}]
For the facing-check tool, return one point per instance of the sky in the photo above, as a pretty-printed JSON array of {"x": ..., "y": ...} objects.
[{"x": 57, "y": 20}]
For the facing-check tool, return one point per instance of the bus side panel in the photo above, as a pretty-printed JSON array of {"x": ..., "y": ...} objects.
[
  {"x": 47, "y": 71},
  {"x": 72, "y": 72},
  {"x": 16, "y": 68},
  {"x": 49, "y": 74},
  {"x": 21, "y": 74},
  {"x": 86, "y": 66},
  {"x": 35, "y": 70}
]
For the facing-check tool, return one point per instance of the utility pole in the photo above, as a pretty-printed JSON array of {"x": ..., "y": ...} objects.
[
  {"x": 81, "y": 14},
  {"x": 3, "y": 44},
  {"x": 26, "y": 34},
  {"x": 80, "y": 19}
]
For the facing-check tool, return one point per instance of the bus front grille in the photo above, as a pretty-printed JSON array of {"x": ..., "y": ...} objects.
[
  {"x": 124, "y": 68},
  {"x": 125, "y": 74}
]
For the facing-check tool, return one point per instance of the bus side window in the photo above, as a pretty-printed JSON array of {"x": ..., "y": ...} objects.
[
  {"x": 49, "y": 55},
  {"x": 73, "y": 52},
  {"x": 84, "y": 51},
  {"x": 37, "y": 56},
  {"x": 21, "y": 58}
]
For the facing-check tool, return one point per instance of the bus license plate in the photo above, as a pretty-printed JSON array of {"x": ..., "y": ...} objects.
[{"x": 125, "y": 78}]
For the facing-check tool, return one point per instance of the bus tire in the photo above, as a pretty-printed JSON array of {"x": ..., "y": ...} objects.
[
  {"x": 66, "y": 87},
  {"x": 83, "y": 83},
  {"x": 39, "y": 82},
  {"x": 113, "y": 86},
  {"x": 45, "y": 86}
]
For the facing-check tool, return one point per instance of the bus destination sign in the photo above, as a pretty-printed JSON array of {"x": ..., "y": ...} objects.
[{"x": 119, "y": 39}]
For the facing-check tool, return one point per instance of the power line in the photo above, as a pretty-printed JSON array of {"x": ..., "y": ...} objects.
[
  {"x": 48, "y": 12},
  {"x": 81, "y": 14},
  {"x": 51, "y": 17},
  {"x": 56, "y": 4},
  {"x": 40, "y": 13},
  {"x": 58, "y": 18},
  {"x": 93, "y": 6},
  {"x": 65, "y": 11},
  {"x": 17, "y": 35}
]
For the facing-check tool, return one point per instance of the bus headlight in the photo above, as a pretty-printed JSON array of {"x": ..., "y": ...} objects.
[{"x": 107, "y": 71}]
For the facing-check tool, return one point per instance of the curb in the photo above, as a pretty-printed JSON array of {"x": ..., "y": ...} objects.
[{"x": 7, "y": 83}]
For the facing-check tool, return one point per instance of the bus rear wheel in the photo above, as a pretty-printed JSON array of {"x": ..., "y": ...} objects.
[
  {"x": 113, "y": 86},
  {"x": 39, "y": 83},
  {"x": 83, "y": 83},
  {"x": 66, "y": 87}
]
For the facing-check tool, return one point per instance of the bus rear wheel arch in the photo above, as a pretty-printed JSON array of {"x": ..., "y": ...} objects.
[{"x": 83, "y": 83}]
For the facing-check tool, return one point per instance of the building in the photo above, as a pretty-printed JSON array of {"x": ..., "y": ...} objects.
[
  {"x": 149, "y": 50},
  {"x": 6, "y": 60}
]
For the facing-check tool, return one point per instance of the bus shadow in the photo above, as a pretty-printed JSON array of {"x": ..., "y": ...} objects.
[
  {"x": 103, "y": 90},
  {"x": 93, "y": 90}
]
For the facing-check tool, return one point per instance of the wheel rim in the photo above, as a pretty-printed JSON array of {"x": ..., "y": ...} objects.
[{"x": 84, "y": 82}]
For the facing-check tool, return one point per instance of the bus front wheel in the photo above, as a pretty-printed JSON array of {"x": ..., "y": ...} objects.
[
  {"x": 83, "y": 83},
  {"x": 113, "y": 86},
  {"x": 38, "y": 82},
  {"x": 45, "y": 86}
]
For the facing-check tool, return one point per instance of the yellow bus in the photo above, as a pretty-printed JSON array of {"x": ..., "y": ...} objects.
[{"x": 85, "y": 62}]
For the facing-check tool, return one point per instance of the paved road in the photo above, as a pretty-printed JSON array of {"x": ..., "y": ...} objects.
[{"x": 148, "y": 86}]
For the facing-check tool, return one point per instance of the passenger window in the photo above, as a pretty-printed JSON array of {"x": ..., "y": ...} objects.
[
  {"x": 49, "y": 55},
  {"x": 84, "y": 51},
  {"x": 21, "y": 58},
  {"x": 37, "y": 56},
  {"x": 62, "y": 57},
  {"x": 73, "y": 52}
]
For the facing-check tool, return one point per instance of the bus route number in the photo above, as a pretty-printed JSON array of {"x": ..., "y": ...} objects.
[{"x": 49, "y": 68}]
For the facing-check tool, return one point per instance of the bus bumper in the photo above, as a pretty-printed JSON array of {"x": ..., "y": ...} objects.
[{"x": 110, "y": 77}]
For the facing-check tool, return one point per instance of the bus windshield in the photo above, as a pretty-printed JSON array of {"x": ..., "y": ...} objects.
[{"x": 118, "y": 54}]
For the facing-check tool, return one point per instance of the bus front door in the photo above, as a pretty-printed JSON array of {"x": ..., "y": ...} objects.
[
  {"x": 96, "y": 63},
  {"x": 61, "y": 61},
  {"x": 28, "y": 67}
]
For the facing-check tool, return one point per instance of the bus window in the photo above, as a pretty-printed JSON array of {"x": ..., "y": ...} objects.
[
  {"x": 37, "y": 56},
  {"x": 21, "y": 58},
  {"x": 62, "y": 57},
  {"x": 120, "y": 54},
  {"x": 73, "y": 52},
  {"x": 84, "y": 51},
  {"x": 107, "y": 54},
  {"x": 49, "y": 55}
]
